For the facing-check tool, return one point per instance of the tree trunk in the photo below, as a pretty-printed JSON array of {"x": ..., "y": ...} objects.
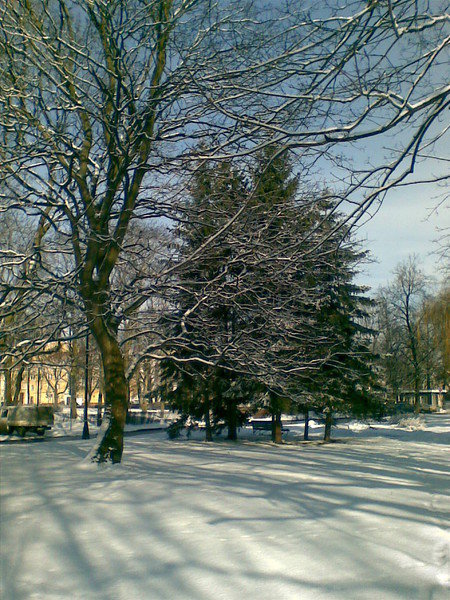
[
  {"x": 231, "y": 420},
  {"x": 18, "y": 385},
  {"x": 306, "y": 430},
  {"x": 8, "y": 386},
  {"x": 73, "y": 386},
  {"x": 99, "y": 409},
  {"x": 110, "y": 439},
  {"x": 87, "y": 391},
  {"x": 276, "y": 428},
  {"x": 415, "y": 357},
  {"x": 416, "y": 395},
  {"x": 38, "y": 390},
  {"x": 208, "y": 431},
  {"x": 328, "y": 423}
]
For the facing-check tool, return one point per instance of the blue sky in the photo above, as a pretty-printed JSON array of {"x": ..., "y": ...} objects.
[{"x": 408, "y": 222}]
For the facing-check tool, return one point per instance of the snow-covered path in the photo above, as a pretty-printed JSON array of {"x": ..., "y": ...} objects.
[{"x": 364, "y": 519}]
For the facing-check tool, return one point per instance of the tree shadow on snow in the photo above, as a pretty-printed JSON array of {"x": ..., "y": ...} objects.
[{"x": 193, "y": 520}]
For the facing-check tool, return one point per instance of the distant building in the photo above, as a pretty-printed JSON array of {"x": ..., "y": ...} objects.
[
  {"x": 432, "y": 400},
  {"x": 45, "y": 379},
  {"x": 46, "y": 384}
]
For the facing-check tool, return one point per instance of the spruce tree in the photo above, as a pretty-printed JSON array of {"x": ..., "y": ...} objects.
[
  {"x": 199, "y": 372},
  {"x": 267, "y": 310},
  {"x": 345, "y": 380}
]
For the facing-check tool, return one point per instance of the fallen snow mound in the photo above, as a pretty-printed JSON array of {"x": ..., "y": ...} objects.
[
  {"x": 412, "y": 423},
  {"x": 357, "y": 426}
]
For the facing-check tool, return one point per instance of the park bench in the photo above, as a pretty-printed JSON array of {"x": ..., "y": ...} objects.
[{"x": 264, "y": 426}]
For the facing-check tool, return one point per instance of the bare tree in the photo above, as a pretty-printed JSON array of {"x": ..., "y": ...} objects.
[
  {"x": 404, "y": 299},
  {"x": 54, "y": 376},
  {"x": 20, "y": 247},
  {"x": 354, "y": 76},
  {"x": 92, "y": 132}
]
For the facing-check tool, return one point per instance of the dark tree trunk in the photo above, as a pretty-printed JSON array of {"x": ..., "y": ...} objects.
[
  {"x": 18, "y": 385},
  {"x": 110, "y": 444},
  {"x": 87, "y": 398},
  {"x": 415, "y": 357},
  {"x": 306, "y": 430},
  {"x": 73, "y": 407},
  {"x": 8, "y": 386},
  {"x": 231, "y": 420},
  {"x": 99, "y": 409},
  {"x": 38, "y": 390},
  {"x": 416, "y": 396},
  {"x": 73, "y": 382},
  {"x": 208, "y": 430},
  {"x": 73, "y": 385},
  {"x": 140, "y": 392},
  {"x": 276, "y": 428},
  {"x": 328, "y": 423}
]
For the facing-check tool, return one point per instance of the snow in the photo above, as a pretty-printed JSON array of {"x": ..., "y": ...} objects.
[{"x": 362, "y": 519}]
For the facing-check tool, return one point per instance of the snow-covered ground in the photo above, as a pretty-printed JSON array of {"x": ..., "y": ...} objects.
[{"x": 178, "y": 520}]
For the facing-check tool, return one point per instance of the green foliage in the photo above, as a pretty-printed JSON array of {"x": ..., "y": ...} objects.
[
  {"x": 346, "y": 379},
  {"x": 174, "y": 430},
  {"x": 267, "y": 313}
]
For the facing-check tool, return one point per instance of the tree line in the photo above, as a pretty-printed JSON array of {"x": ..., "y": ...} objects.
[
  {"x": 268, "y": 316},
  {"x": 413, "y": 325}
]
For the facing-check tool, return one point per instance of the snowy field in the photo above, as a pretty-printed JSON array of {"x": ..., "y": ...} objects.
[{"x": 366, "y": 518}]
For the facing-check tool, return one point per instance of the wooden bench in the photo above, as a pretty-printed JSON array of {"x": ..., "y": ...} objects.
[{"x": 264, "y": 426}]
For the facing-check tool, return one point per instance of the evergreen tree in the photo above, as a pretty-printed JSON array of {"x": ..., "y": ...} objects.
[
  {"x": 199, "y": 370},
  {"x": 271, "y": 312},
  {"x": 346, "y": 379}
]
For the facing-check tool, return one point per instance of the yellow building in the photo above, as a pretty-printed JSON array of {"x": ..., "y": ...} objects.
[{"x": 48, "y": 378}]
